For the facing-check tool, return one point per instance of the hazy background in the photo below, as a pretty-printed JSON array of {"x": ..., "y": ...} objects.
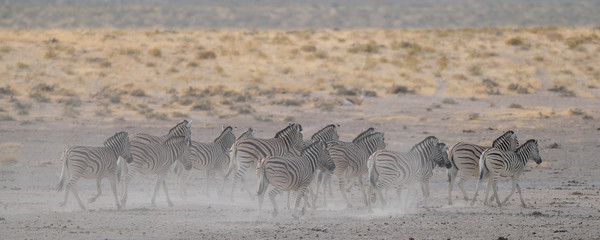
[{"x": 297, "y": 14}]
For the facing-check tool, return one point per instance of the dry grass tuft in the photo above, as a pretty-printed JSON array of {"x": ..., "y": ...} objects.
[{"x": 10, "y": 151}]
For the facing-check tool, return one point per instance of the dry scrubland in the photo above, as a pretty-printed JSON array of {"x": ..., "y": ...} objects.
[
  {"x": 77, "y": 87},
  {"x": 158, "y": 74}
]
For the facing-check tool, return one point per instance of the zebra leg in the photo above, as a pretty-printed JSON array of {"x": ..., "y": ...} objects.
[
  {"x": 461, "y": 185},
  {"x": 181, "y": 177},
  {"x": 164, "y": 185},
  {"x": 451, "y": 178},
  {"x": 364, "y": 190},
  {"x": 67, "y": 190},
  {"x": 74, "y": 190},
  {"x": 476, "y": 190},
  {"x": 487, "y": 191},
  {"x": 247, "y": 188},
  {"x": 113, "y": 187},
  {"x": 99, "y": 189},
  {"x": 272, "y": 195},
  {"x": 520, "y": 195},
  {"x": 299, "y": 195},
  {"x": 425, "y": 190},
  {"x": 125, "y": 185},
  {"x": 156, "y": 187},
  {"x": 288, "y": 199},
  {"x": 206, "y": 182},
  {"x": 342, "y": 184},
  {"x": 512, "y": 191},
  {"x": 495, "y": 186}
]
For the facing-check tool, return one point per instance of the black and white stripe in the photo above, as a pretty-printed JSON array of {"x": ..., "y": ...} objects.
[
  {"x": 498, "y": 163},
  {"x": 351, "y": 160},
  {"x": 156, "y": 158},
  {"x": 327, "y": 133},
  {"x": 94, "y": 162},
  {"x": 181, "y": 129},
  {"x": 292, "y": 174},
  {"x": 207, "y": 157},
  {"x": 324, "y": 177},
  {"x": 465, "y": 160},
  {"x": 390, "y": 169},
  {"x": 249, "y": 152}
]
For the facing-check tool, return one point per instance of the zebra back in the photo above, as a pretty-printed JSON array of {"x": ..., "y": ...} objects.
[
  {"x": 156, "y": 157},
  {"x": 351, "y": 158},
  {"x": 363, "y": 134},
  {"x": 327, "y": 133},
  {"x": 181, "y": 129}
]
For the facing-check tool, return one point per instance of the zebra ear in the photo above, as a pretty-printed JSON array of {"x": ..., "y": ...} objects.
[
  {"x": 189, "y": 124},
  {"x": 514, "y": 135}
]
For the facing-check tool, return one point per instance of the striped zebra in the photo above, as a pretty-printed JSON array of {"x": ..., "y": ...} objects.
[
  {"x": 465, "y": 160},
  {"x": 498, "y": 163},
  {"x": 156, "y": 158},
  {"x": 212, "y": 156},
  {"x": 324, "y": 177},
  {"x": 181, "y": 129},
  {"x": 350, "y": 160},
  {"x": 250, "y": 151},
  {"x": 393, "y": 169},
  {"x": 292, "y": 174},
  {"x": 327, "y": 133},
  {"x": 93, "y": 162}
]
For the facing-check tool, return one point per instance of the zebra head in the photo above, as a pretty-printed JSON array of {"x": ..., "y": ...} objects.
[
  {"x": 181, "y": 129},
  {"x": 293, "y": 135},
  {"x": 180, "y": 145},
  {"x": 532, "y": 147},
  {"x": 327, "y": 133},
  {"x": 372, "y": 143},
  {"x": 226, "y": 139},
  {"x": 363, "y": 134},
  {"x": 319, "y": 150},
  {"x": 442, "y": 159},
  {"x": 508, "y": 141},
  {"x": 120, "y": 142}
]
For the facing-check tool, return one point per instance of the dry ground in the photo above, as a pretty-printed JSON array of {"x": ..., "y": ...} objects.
[{"x": 77, "y": 87}]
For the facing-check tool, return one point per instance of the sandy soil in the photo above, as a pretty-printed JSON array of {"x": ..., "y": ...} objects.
[{"x": 563, "y": 192}]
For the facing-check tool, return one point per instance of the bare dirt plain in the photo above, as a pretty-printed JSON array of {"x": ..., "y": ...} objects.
[{"x": 74, "y": 91}]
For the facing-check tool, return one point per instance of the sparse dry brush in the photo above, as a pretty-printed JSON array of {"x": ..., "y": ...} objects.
[{"x": 253, "y": 65}]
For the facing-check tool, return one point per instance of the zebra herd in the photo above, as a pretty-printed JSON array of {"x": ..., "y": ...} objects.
[{"x": 288, "y": 163}]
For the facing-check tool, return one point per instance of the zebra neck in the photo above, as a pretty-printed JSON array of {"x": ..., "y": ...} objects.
[
  {"x": 116, "y": 149},
  {"x": 312, "y": 158},
  {"x": 524, "y": 153}
]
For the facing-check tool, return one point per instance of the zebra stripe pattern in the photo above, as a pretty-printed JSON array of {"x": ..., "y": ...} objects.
[
  {"x": 157, "y": 159},
  {"x": 250, "y": 151},
  {"x": 292, "y": 173},
  {"x": 351, "y": 160},
  {"x": 498, "y": 163},
  {"x": 324, "y": 177},
  {"x": 212, "y": 156},
  {"x": 465, "y": 160},
  {"x": 94, "y": 162},
  {"x": 393, "y": 169},
  {"x": 327, "y": 133},
  {"x": 181, "y": 129}
]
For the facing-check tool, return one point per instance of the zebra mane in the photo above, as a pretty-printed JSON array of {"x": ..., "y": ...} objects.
[
  {"x": 363, "y": 134},
  {"x": 312, "y": 146},
  {"x": 247, "y": 133},
  {"x": 532, "y": 141},
  {"x": 428, "y": 140},
  {"x": 506, "y": 135},
  {"x": 223, "y": 133},
  {"x": 314, "y": 136},
  {"x": 363, "y": 139},
  {"x": 287, "y": 129},
  {"x": 183, "y": 122},
  {"x": 114, "y": 138}
]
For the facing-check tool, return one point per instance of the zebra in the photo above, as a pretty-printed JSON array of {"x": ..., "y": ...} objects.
[
  {"x": 292, "y": 173},
  {"x": 465, "y": 160},
  {"x": 324, "y": 177},
  {"x": 498, "y": 163},
  {"x": 393, "y": 169},
  {"x": 94, "y": 162},
  {"x": 327, "y": 133},
  {"x": 212, "y": 156},
  {"x": 249, "y": 151},
  {"x": 156, "y": 158},
  {"x": 181, "y": 129},
  {"x": 351, "y": 160}
]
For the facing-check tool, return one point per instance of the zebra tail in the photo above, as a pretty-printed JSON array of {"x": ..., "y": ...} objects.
[
  {"x": 263, "y": 180},
  {"x": 232, "y": 162},
  {"x": 63, "y": 177},
  {"x": 483, "y": 169}
]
